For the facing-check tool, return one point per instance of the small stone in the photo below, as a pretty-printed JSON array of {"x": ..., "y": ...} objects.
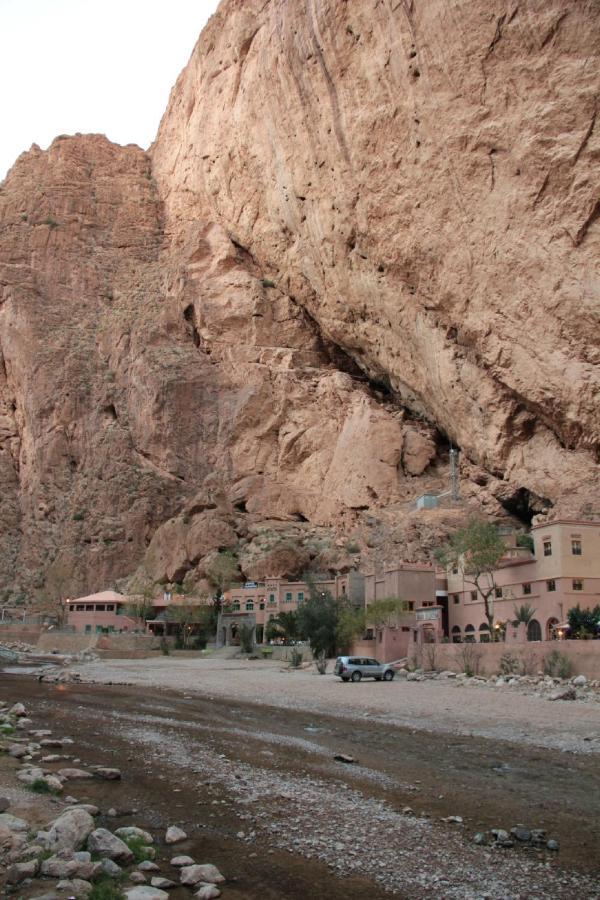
[
  {"x": 182, "y": 861},
  {"x": 521, "y": 833},
  {"x": 137, "y": 877},
  {"x": 145, "y": 892},
  {"x": 148, "y": 866},
  {"x": 110, "y": 868},
  {"x": 17, "y": 710},
  {"x": 108, "y": 774},
  {"x": 192, "y": 875},
  {"x": 480, "y": 838},
  {"x": 160, "y": 882},
  {"x": 13, "y": 823},
  {"x": 208, "y": 892},
  {"x": 74, "y": 773},
  {"x": 174, "y": 835},
  {"x": 4, "y": 804},
  {"x": 111, "y": 812},
  {"x": 579, "y": 681},
  {"x": 552, "y": 845},
  {"x": 131, "y": 831},
  {"x": 76, "y": 887},
  {"x": 20, "y": 871},
  {"x": 341, "y": 757}
]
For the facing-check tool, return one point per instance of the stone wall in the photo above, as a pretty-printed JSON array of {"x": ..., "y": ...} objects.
[{"x": 485, "y": 659}]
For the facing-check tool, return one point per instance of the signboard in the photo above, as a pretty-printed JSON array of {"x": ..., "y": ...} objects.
[
  {"x": 250, "y": 585},
  {"x": 426, "y": 615}
]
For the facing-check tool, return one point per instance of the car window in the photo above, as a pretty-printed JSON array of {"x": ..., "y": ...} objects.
[
  {"x": 373, "y": 662},
  {"x": 354, "y": 662}
]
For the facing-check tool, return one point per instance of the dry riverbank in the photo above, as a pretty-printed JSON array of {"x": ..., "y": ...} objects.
[{"x": 455, "y": 707}]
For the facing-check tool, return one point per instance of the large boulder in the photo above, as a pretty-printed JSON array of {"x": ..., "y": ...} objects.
[
  {"x": 107, "y": 844},
  {"x": 69, "y": 831}
]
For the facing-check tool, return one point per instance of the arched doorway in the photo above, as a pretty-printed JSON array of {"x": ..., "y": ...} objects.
[
  {"x": 534, "y": 631},
  {"x": 456, "y": 635},
  {"x": 551, "y": 629},
  {"x": 469, "y": 634}
]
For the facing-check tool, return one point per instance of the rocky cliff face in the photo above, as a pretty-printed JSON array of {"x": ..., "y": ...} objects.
[{"x": 364, "y": 230}]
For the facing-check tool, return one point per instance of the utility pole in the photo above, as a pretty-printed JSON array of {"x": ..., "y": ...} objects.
[{"x": 454, "y": 474}]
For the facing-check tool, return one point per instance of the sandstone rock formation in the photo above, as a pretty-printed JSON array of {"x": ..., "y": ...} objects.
[{"x": 364, "y": 230}]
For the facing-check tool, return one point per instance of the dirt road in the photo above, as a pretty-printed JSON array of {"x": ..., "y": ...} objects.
[{"x": 259, "y": 792}]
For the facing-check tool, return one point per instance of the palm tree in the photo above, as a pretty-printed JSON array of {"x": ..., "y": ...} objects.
[{"x": 524, "y": 613}]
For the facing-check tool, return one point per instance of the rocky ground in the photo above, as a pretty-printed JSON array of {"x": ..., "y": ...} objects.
[{"x": 284, "y": 800}]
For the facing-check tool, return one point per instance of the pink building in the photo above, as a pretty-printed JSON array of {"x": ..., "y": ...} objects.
[
  {"x": 102, "y": 612},
  {"x": 255, "y": 603},
  {"x": 562, "y": 571}
]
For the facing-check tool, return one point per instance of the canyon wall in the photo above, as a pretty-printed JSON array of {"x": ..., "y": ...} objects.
[{"x": 365, "y": 229}]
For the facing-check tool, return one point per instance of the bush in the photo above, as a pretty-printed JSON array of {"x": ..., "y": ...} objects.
[
  {"x": 321, "y": 664},
  {"x": 509, "y": 664},
  {"x": 246, "y": 641},
  {"x": 79, "y": 516},
  {"x": 295, "y": 659},
  {"x": 51, "y": 222},
  {"x": 584, "y": 623},
  {"x": 470, "y": 658},
  {"x": 558, "y": 665},
  {"x": 353, "y": 547},
  {"x": 40, "y": 786},
  {"x": 267, "y": 283},
  {"x": 106, "y": 889},
  {"x": 140, "y": 850}
]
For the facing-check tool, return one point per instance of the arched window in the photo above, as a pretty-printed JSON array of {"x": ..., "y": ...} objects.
[
  {"x": 469, "y": 634},
  {"x": 456, "y": 636},
  {"x": 534, "y": 631},
  {"x": 551, "y": 629},
  {"x": 484, "y": 633}
]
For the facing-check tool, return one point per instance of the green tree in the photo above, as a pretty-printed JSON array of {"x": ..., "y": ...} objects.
[
  {"x": 351, "y": 624},
  {"x": 584, "y": 623},
  {"x": 318, "y": 619},
  {"x": 222, "y": 571},
  {"x": 195, "y": 621},
  {"x": 386, "y": 611},
  {"x": 286, "y": 623},
  {"x": 524, "y": 613},
  {"x": 475, "y": 551}
]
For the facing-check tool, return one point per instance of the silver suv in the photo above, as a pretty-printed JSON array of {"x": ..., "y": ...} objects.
[{"x": 354, "y": 668}]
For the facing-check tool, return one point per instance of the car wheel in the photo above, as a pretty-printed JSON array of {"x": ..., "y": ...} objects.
[
  {"x": 356, "y": 676},
  {"x": 388, "y": 676}
]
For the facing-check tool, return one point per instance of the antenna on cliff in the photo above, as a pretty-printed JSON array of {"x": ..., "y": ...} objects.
[{"x": 454, "y": 473}]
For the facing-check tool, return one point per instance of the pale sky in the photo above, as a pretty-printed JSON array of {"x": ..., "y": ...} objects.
[{"x": 101, "y": 66}]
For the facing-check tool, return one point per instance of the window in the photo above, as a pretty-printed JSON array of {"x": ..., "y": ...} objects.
[
  {"x": 473, "y": 595},
  {"x": 249, "y": 605},
  {"x": 261, "y": 605},
  {"x": 368, "y": 634},
  {"x": 110, "y": 607},
  {"x": 99, "y": 629},
  {"x": 498, "y": 593},
  {"x": 527, "y": 588},
  {"x": 411, "y": 606},
  {"x": 551, "y": 584},
  {"x": 576, "y": 547},
  {"x": 455, "y": 570},
  {"x": 80, "y": 607},
  {"x": 100, "y": 607},
  {"x": 456, "y": 598},
  {"x": 577, "y": 584},
  {"x": 288, "y": 597},
  {"x": 89, "y": 607},
  {"x": 300, "y": 596},
  {"x": 235, "y": 606},
  {"x": 547, "y": 545},
  {"x": 271, "y": 598},
  {"x": 380, "y": 636},
  {"x": 88, "y": 629}
]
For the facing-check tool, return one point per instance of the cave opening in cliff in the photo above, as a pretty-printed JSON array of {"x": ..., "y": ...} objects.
[
  {"x": 524, "y": 504},
  {"x": 189, "y": 314}
]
